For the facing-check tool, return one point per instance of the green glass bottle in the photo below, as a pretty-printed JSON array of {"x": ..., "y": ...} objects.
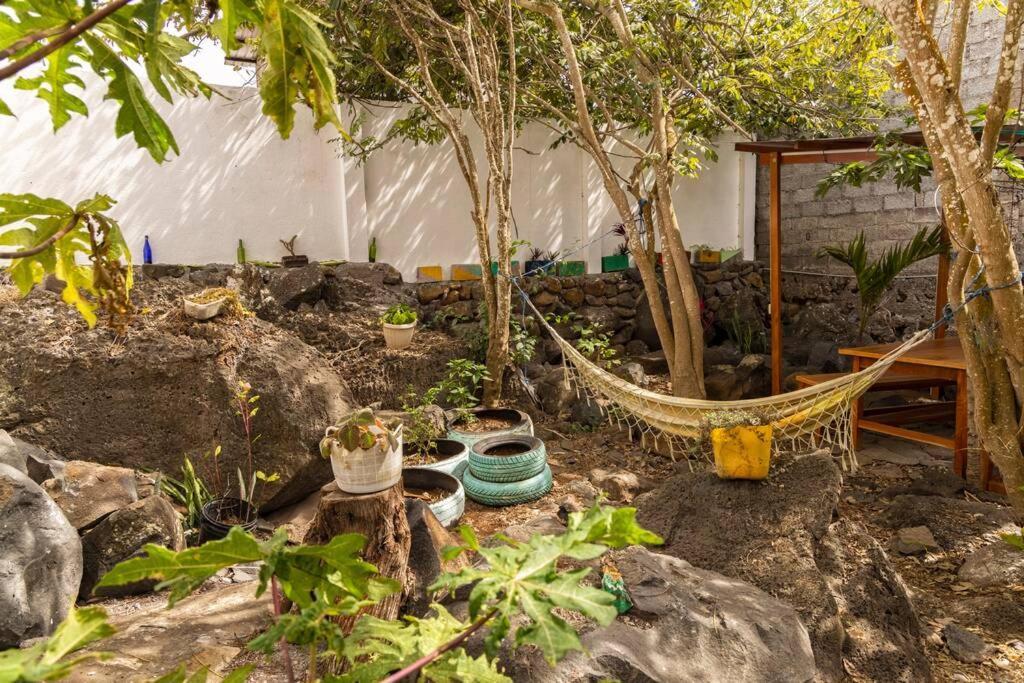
[
  {"x": 373, "y": 250},
  {"x": 240, "y": 252}
]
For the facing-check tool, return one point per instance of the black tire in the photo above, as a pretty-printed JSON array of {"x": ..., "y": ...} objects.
[
  {"x": 506, "y": 468},
  {"x": 508, "y": 493}
]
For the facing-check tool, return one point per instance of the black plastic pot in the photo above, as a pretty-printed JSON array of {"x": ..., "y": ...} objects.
[{"x": 211, "y": 526}]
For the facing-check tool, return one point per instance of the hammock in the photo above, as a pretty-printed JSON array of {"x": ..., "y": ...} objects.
[{"x": 813, "y": 418}]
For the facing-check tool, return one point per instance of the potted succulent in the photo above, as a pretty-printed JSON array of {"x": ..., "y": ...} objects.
[
  {"x": 293, "y": 260},
  {"x": 365, "y": 451},
  {"x": 617, "y": 261},
  {"x": 399, "y": 323},
  {"x": 541, "y": 262}
]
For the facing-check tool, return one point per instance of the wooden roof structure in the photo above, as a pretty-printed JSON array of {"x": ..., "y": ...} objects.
[{"x": 778, "y": 153}]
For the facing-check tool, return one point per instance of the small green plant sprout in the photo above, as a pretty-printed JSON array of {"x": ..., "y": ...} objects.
[
  {"x": 742, "y": 333},
  {"x": 1015, "y": 540},
  {"x": 190, "y": 492},
  {"x": 596, "y": 346},
  {"x": 560, "y": 318},
  {"x": 246, "y": 408},
  {"x": 875, "y": 277},
  {"x": 399, "y": 314},
  {"x": 361, "y": 429},
  {"x": 419, "y": 433},
  {"x": 460, "y": 385},
  {"x": 289, "y": 245},
  {"x": 51, "y": 659},
  {"x": 521, "y": 344}
]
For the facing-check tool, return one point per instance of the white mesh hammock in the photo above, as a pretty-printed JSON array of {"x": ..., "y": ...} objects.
[{"x": 813, "y": 418}]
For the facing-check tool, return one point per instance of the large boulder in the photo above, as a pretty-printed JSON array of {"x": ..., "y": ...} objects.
[
  {"x": 87, "y": 492},
  {"x": 687, "y": 624},
  {"x": 779, "y": 535},
  {"x": 166, "y": 391},
  {"x": 38, "y": 463},
  {"x": 121, "y": 536},
  {"x": 40, "y": 562},
  {"x": 995, "y": 564}
]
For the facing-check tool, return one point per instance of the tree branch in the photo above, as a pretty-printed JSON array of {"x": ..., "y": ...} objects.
[
  {"x": 62, "y": 39},
  {"x": 45, "y": 244}
]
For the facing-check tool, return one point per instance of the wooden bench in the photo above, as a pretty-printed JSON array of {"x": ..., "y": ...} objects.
[{"x": 897, "y": 380}]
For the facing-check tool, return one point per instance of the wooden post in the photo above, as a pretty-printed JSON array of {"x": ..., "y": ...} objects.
[
  {"x": 381, "y": 518},
  {"x": 775, "y": 267}
]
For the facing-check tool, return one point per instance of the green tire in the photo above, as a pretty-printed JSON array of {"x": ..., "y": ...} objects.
[
  {"x": 506, "y": 468},
  {"x": 509, "y": 493}
]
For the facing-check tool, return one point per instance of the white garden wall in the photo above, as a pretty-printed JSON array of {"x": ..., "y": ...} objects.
[{"x": 235, "y": 179}]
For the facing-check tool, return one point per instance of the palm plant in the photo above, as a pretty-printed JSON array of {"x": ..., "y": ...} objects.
[{"x": 875, "y": 277}]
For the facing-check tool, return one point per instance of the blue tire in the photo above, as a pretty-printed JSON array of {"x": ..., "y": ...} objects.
[
  {"x": 508, "y": 493},
  {"x": 455, "y": 454},
  {"x": 449, "y": 509},
  {"x": 528, "y": 462},
  {"x": 517, "y": 422}
]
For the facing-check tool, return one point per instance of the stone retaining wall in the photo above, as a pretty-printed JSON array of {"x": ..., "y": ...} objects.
[{"x": 616, "y": 303}]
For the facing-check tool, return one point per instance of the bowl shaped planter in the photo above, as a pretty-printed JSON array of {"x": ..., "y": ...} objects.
[
  {"x": 742, "y": 452},
  {"x": 540, "y": 268},
  {"x": 480, "y": 423},
  {"x": 399, "y": 336},
  {"x": 364, "y": 469},
  {"x": 442, "y": 492},
  {"x": 204, "y": 310}
]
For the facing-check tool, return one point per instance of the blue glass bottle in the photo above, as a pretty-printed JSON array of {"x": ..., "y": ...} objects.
[{"x": 147, "y": 251}]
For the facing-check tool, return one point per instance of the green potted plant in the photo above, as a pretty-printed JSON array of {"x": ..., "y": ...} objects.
[
  {"x": 540, "y": 262},
  {"x": 365, "y": 451},
  {"x": 399, "y": 324}
]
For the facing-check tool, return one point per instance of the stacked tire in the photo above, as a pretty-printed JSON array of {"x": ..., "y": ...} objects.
[{"x": 507, "y": 470}]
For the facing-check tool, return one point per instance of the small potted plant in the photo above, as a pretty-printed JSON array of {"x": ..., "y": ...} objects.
[
  {"x": 537, "y": 263},
  {"x": 365, "y": 452},
  {"x": 399, "y": 324},
  {"x": 221, "y": 513},
  {"x": 293, "y": 260},
  {"x": 210, "y": 302}
]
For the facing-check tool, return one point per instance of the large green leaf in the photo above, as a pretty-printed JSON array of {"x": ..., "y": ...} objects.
[
  {"x": 277, "y": 85},
  {"x": 52, "y": 86},
  {"x": 185, "y": 571},
  {"x": 136, "y": 114},
  {"x": 49, "y": 660}
]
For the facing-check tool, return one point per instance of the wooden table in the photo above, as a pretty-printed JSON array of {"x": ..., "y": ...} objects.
[{"x": 939, "y": 358}]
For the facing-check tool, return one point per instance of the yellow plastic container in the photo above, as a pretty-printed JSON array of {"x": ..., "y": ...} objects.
[{"x": 742, "y": 452}]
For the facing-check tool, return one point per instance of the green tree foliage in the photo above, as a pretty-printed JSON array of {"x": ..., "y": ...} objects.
[
  {"x": 329, "y": 581},
  {"x": 52, "y": 659},
  {"x": 81, "y": 245},
  {"x": 49, "y": 46},
  {"x": 875, "y": 276}
]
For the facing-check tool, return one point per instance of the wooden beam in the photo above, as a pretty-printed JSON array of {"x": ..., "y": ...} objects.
[
  {"x": 765, "y": 158},
  {"x": 775, "y": 267}
]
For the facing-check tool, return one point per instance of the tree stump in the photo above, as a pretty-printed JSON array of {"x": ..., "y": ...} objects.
[{"x": 380, "y": 517}]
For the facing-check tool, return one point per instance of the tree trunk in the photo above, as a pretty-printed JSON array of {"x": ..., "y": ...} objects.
[
  {"x": 381, "y": 518},
  {"x": 991, "y": 328}
]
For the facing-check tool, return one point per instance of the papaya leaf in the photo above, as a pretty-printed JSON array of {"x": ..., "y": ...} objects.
[
  {"x": 52, "y": 85},
  {"x": 185, "y": 571},
  {"x": 135, "y": 114},
  {"x": 49, "y": 660}
]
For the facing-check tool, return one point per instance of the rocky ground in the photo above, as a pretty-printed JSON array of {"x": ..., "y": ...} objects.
[{"x": 891, "y": 573}]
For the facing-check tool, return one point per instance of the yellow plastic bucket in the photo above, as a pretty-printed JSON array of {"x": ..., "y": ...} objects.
[{"x": 742, "y": 452}]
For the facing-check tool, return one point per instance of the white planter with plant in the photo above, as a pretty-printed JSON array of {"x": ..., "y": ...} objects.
[
  {"x": 365, "y": 452},
  {"x": 399, "y": 323}
]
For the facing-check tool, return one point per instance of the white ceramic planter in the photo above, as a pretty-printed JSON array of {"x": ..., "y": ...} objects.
[
  {"x": 204, "y": 311},
  {"x": 366, "y": 470},
  {"x": 399, "y": 336}
]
